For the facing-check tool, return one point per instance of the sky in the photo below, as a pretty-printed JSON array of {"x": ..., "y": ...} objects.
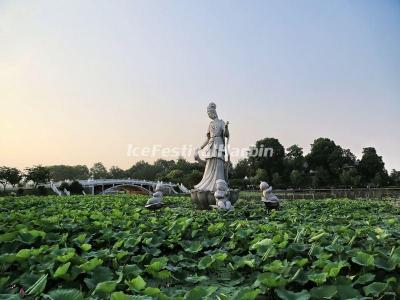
[{"x": 80, "y": 81}]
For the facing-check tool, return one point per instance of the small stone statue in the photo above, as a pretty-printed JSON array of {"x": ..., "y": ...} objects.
[
  {"x": 270, "y": 200},
  {"x": 222, "y": 196},
  {"x": 156, "y": 201}
]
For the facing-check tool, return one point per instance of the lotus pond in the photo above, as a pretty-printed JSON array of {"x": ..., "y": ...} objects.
[{"x": 110, "y": 247}]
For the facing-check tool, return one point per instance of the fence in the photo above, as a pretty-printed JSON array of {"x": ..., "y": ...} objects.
[{"x": 354, "y": 193}]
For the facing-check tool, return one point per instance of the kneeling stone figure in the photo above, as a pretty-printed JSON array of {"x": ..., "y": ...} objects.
[
  {"x": 269, "y": 199},
  {"x": 157, "y": 200},
  {"x": 221, "y": 196}
]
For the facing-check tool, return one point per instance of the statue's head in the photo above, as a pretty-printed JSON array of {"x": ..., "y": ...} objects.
[
  {"x": 212, "y": 111},
  {"x": 263, "y": 186},
  {"x": 221, "y": 185}
]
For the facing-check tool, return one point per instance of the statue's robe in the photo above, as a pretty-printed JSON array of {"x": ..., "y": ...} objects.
[{"x": 214, "y": 155}]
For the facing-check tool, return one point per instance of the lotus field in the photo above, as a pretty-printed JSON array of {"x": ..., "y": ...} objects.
[{"x": 111, "y": 247}]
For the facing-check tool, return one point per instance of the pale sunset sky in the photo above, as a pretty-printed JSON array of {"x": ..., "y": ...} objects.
[{"x": 81, "y": 80}]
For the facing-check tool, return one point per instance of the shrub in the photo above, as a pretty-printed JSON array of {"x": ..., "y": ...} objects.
[
  {"x": 41, "y": 190},
  {"x": 64, "y": 185},
  {"x": 75, "y": 188},
  {"x": 20, "y": 192}
]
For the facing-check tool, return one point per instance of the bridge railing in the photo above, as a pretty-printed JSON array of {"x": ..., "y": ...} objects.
[{"x": 90, "y": 182}]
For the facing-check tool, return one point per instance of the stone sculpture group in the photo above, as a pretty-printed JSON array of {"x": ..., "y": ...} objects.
[{"x": 213, "y": 190}]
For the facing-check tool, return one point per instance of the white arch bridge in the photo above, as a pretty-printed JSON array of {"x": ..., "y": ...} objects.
[{"x": 130, "y": 186}]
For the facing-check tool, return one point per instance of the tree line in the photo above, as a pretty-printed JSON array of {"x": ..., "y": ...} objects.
[{"x": 326, "y": 165}]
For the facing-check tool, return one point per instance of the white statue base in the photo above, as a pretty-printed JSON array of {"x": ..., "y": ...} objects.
[{"x": 205, "y": 199}]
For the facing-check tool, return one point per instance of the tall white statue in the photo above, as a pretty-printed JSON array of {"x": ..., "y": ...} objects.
[{"x": 214, "y": 150}]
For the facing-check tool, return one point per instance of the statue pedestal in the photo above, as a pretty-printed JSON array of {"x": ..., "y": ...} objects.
[
  {"x": 271, "y": 204},
  {"x": 203, "y": 199}
]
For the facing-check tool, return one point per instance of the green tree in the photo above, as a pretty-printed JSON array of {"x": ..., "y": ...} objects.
[
  {"x": 320, "y": 178},
  {"x": 59, "y": 172},
  {"x": 315, "y": 182},
  {"x": 328, "y": 159},
  {"x": 277, "y": 180},
  {"x": 175, "y": 176},
  {"x": 350, "y": 178},
  {"x": 75, "y": 188},
  {"x": 163, "y": 167},
  {"x": 294, "y": 160},
  {"x": 345, "y": 178},
  {"x": 321, "y": 150},
  {"x": 142, "y": 170},
  {"x": 3, "y": 177},
  {"x": 295, "y": 157},
  {"x": 116, "y": 173},
  {"x": 295, "y": 178},
  {"x": 268, "y": 154},
  {"x": 372, "y": 167},
  {"x": 37, "y": 174},
  {"x": 13, "y": 176},
  {"x": 395, "y": 178},
  {"x": 9, "y": 175},
  {"x": 261, "y": 175},
  {"x": 98, "y": 171},
  {"x": 183, "y": 165},
  {"x": 348, "y": 158},
  {"x": 64, "y": 172},
  {"x": 240, "y": 170},
  {"x": 80, "y": 172},
  {"x": 377, "y": 181},
  {"x": 192, "y": 178}
]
